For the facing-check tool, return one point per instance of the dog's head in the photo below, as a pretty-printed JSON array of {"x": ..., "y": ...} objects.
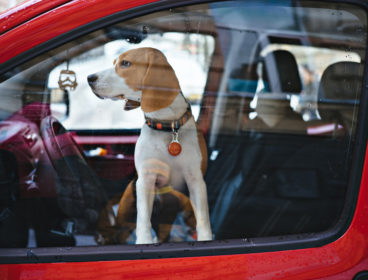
[{"x": 142, "y": 77}]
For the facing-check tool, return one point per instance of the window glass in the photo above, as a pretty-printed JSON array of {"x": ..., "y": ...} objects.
[
  {"x": 274, "y": 88},
  {"x": 312, "y": 62},
  {"x": 188, "y": 53}
]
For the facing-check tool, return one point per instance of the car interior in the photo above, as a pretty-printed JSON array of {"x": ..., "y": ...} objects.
[{"x": 278, "y": 107}]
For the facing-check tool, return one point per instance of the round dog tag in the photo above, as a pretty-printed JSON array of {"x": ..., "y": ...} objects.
[{"x": 174, "y": 148}]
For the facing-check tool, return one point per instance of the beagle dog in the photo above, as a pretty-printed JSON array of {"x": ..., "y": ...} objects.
[{"x": 144, "y": 77}]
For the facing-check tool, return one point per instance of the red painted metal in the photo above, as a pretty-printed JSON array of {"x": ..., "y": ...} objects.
[
  {"x": 26, "y": 11},
  {"x": 341, "y": 259},
  {"x": 58, "y": 21}
]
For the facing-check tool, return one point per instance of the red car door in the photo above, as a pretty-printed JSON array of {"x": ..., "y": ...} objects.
[{"x": 278, "y": 91}]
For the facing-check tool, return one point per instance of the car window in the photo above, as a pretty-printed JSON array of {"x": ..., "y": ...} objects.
[
  {"x": 189, "y": 54},
  {"x": 276, "y": 105}
]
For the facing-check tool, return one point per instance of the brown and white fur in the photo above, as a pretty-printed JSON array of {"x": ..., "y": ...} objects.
[{"x": 143, "y": 76}]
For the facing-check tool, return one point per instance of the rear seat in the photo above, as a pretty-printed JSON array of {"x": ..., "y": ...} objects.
[
  {"x": 266, "y": 183},
  {"x": 339, "y": 92}
]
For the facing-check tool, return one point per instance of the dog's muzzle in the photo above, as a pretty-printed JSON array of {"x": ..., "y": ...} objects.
[{"x": 91, "y": 81}]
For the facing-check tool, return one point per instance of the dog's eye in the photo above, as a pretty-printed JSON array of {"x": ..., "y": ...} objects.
[{"x": 125, "y": 64}]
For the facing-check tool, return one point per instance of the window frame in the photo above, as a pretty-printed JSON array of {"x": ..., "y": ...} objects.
[{"x": 193, "y": 249}]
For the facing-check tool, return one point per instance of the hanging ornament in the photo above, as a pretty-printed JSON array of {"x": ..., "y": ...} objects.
[{"x": 67, "y": 79}]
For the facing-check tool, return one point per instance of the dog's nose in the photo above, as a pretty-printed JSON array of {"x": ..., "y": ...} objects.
[{"x": 91, "y": 79}]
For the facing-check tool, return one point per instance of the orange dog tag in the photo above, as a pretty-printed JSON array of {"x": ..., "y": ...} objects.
[{"x": 174, "y": 147}]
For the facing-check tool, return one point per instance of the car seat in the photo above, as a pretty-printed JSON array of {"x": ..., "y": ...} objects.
[
  {"x": 79, "y": 192},
  {"x": 267, "y": 183},
  {"x": 339, "y": 93},
  {"x": 280, "y": 73},
  {"x": 13, "y": 227}
]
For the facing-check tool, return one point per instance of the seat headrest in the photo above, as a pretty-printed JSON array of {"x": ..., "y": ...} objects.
[
  {"x": 280, "y": 71},
  {"x": 341, "y": 81}
]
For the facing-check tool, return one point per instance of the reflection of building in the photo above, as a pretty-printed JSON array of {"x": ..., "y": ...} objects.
[{"x": 6, "y": 4}]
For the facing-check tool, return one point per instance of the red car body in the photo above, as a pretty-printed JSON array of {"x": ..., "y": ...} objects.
[{"x": 33, "y": 23}]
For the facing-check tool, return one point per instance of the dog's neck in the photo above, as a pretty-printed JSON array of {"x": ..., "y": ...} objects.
[{"x": 173, "y": 112}]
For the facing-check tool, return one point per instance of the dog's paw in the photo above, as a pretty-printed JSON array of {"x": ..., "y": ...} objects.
[
  {"x": 144, "y": 238},
  {"x": 144, "y": 241},
  {"x": 204, "y": 235}
]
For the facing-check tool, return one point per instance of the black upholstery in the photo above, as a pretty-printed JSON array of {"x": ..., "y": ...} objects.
[
  {"x": 280, "y": 71},
  {"x": 269, "y": 184},
  {"x": 341, "y": 81},
  {"x": 339, "y": 93},
  {"x": 273, "y": 184},
  {"x": 13, "y": 227}
]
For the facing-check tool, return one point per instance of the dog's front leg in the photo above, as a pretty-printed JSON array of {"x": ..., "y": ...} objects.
[
  {"x": 198, "y": 197},
  {"x": 145, "y": 197}
]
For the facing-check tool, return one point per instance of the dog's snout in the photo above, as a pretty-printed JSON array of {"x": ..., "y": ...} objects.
[
  {"x": 92, "y": 78},
  {"x": 91, "y": 81}
]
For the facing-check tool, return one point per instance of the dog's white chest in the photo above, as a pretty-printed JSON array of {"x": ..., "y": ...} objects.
[{"x": 153, "y": 144}]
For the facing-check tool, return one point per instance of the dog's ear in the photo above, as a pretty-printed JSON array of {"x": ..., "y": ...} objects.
[{"x": 160, "y": 84}]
